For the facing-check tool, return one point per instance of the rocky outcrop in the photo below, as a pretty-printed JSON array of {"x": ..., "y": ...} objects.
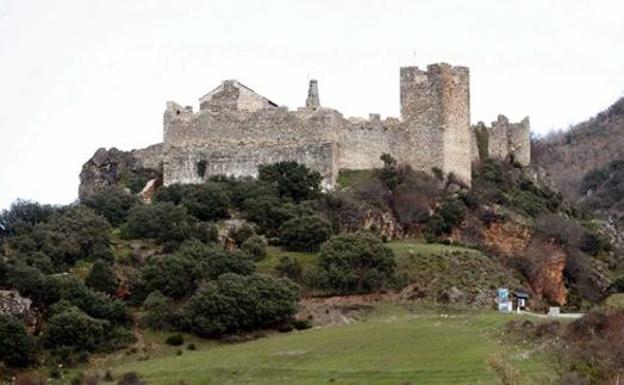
[
  {"x": 113, "y": 167},
  {"x": 11, "y": 302}
]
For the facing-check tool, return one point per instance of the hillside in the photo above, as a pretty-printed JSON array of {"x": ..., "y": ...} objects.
[
  {"x": 234, "y": 259},
  {"x": 568, "y": 156}
]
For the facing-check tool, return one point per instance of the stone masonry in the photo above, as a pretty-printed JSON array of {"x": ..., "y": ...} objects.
[{"x": 236, "y": 129}]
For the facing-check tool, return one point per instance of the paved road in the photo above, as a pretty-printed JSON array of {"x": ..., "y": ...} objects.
[{"x": 559, "y": 316}]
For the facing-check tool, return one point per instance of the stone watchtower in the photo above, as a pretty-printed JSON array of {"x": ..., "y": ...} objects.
[
  {"x": 435, "y": 108},
  {"x": 313, "y": 102}
]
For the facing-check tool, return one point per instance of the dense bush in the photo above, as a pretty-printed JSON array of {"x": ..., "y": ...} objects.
[
  {"x": 292, "y": 180},
  {"x": 234, "y": 302},
  {"x": 112, "y": 203},
  {"x": 101, "y": 278},
  {"x": 268, "y": 213},
  {"x": 32, "y": 283},
  {"x": 206, "y": 202},
  {"x": 175, "y": 340},
  {"x": 95, "y": 304},
  {"x": 212, "y": 261},
  {"x": 448, "y": 216},
  {"x": 256, "y": 247},
  {"x": 304, "y": 233},
  {"x": 17, "y": 347},
  {"x": 159, "y": 314},
  {"x": 178, "y": 275},
  {"x": 72, "y": 328},
  {"x": 165, "y": 222},
  {"x": 23, "y": 215},
  {"x": 65, "y": 237},
  {"x": 593, "y": 347},
  {"x": 240, "y": 234},
  {"x": 357, "y": 263},
  {"x": 173, "y": 275}
]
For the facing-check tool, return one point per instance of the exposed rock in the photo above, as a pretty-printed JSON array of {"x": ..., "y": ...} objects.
[
  {"x": 451, "y": 295},
  {"x": 384, "y": 223},
  {"x": 11, "y": 302},
  {"x": 507, "y": 238},
  {"x": 150, "y": 188},
  {"x": 112, "y": 167}
]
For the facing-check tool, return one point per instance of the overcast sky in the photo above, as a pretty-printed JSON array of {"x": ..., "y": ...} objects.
[{"x": 76, "y": 75}]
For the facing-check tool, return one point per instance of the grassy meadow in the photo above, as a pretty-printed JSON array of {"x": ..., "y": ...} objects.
[{"x": 393, "y": 346}]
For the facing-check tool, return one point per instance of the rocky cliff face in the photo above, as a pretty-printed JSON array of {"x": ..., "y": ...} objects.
[{"x": 113, "y": 167}]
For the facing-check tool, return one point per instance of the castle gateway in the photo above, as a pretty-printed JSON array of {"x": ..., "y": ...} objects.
[{"x": 236, "y": 129}]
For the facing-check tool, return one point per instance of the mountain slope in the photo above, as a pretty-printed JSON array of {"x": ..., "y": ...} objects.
[{"x": 568, "y": 156}]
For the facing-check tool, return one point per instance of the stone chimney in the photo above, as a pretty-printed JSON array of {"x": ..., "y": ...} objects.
[{"x": 313, "y": 102}]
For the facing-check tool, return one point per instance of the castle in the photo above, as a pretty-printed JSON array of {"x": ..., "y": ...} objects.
[{"x": 236, "y": 129}]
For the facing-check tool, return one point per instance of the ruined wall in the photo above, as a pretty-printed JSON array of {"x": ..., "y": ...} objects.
[
  {"x": 181, "y": 162},
  {"x": 361, "y": 142},
  {"x": 234, "y": 96},
  {"x": 503, "y": 140},
  {"x": 236, "y": 129},
  {"x": 262, "y": 127}
]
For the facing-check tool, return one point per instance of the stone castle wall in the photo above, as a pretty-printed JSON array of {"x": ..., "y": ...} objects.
[
  {"x": 503, "y": 140},
  {"x": 236, "y": 129}
]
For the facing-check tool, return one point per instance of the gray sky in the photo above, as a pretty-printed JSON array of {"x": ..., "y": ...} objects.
[{"x": 76, "y": 75}]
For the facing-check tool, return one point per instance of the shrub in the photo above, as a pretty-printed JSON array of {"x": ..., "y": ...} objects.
[
  {"x": 301, "y": 324},
  {"x": 268, "y": 213},
  {"x": 95, "y": 304},
  {"x": 292, "y": 180},
  {"x": 289, "y": 267},
  {"x": 74, "y": 234},
  {"x": 449, "y": 215},
  {"x": 201, "y": 168},
  {"x": 242, "y": 233},
  {"x": 173, "y": 275},
  {"x": 112, "y": 203},
  {"x": 32, "y": 283},
  {"x": 256, "y": 247},
  {"x": 234, "y": 302},
  {"x": 191, "y": 347},
  {"x": 212, "y": 261},
  {"x": 17, "y": 347},
  {"x": 101, "y": 278},
  {"x": 356, "y": 263},
  {"x": 130, "y": 378},
  {"x": 75, "y": 329},
  {"x": 164, "y": 222},
  {"x": 388, "y": 174},
  {"x": 175, "y": 340},
  {"x": 304, "y": 233},
  {"x": 158, "y": 315},
  {"x": 207, "y": 202},
  {"x": 23, "y": 215}
]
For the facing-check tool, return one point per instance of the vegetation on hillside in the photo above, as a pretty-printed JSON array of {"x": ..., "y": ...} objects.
[{"x": 233, "y": 255}]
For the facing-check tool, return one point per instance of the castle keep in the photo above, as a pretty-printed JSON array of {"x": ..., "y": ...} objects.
[{"x": 237, "y": 129}]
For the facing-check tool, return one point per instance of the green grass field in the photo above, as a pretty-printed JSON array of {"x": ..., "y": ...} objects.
[{"x": 393, "y": 346}]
